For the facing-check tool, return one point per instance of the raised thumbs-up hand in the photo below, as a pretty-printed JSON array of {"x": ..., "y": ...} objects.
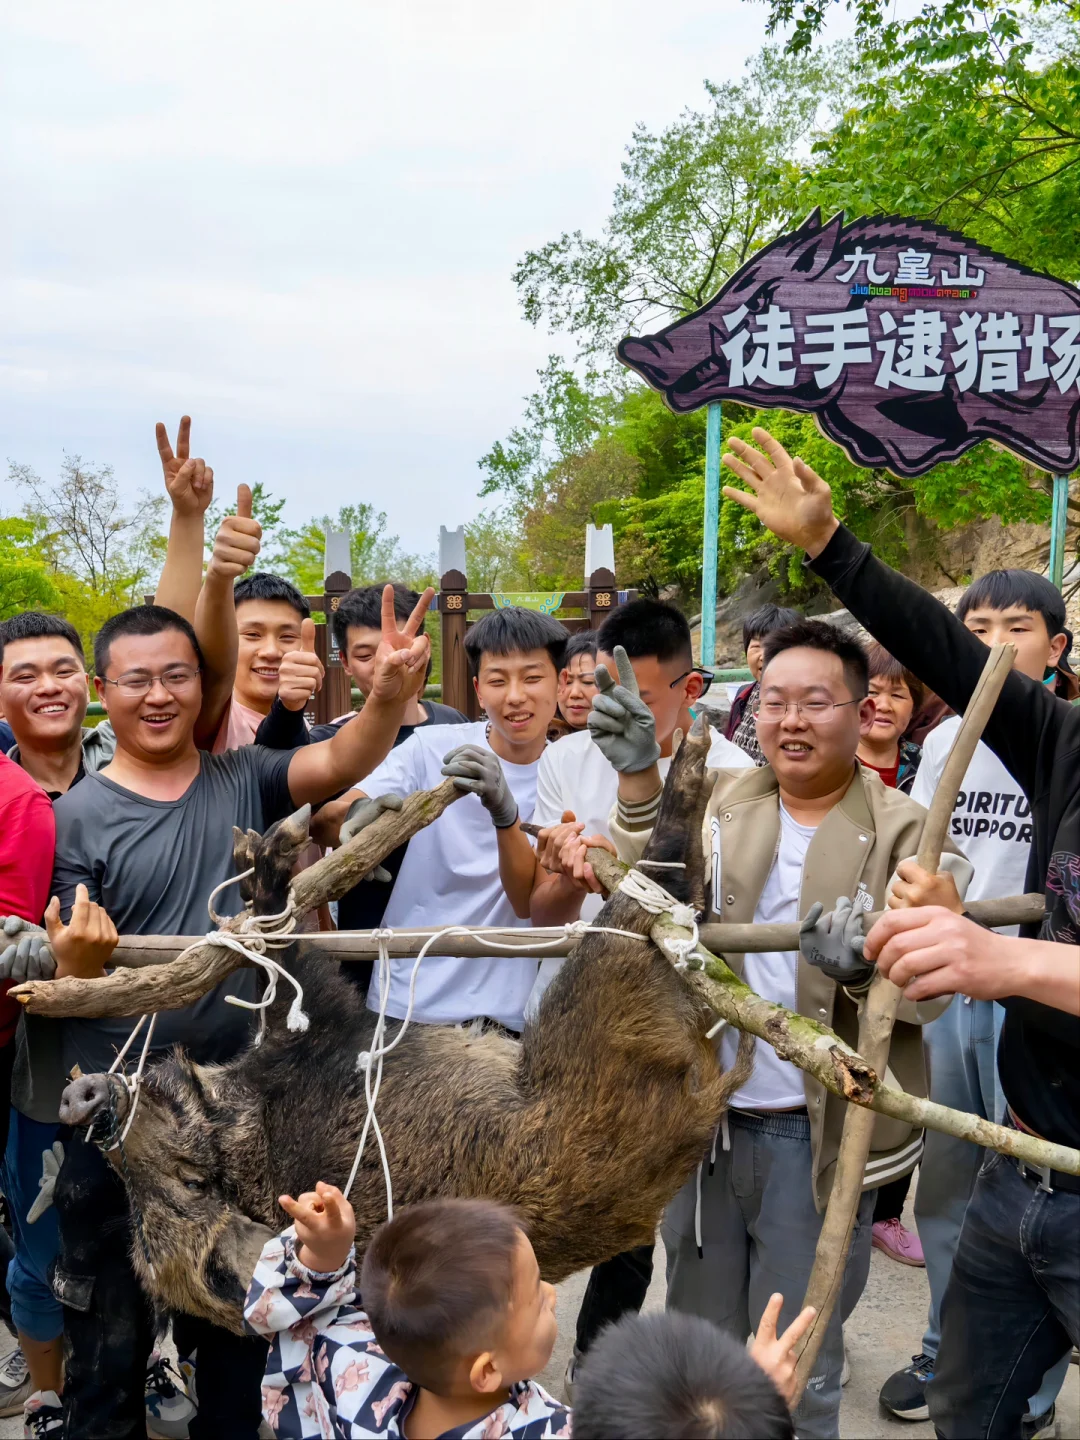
[
  {"x": 237, "y": 545},
  {"x": 83, "y": 946},
  {"x": 301, "y": 671},
  {"x": 190, "y": 482}
]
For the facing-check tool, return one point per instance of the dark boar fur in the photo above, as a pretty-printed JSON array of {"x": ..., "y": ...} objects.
[{"x": 588, "y": 1125}]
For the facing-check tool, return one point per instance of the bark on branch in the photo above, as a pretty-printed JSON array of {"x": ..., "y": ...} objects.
[{"x": 129, "y": 991}]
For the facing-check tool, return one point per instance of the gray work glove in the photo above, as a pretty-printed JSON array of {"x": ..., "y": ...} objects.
[
  {"x": 51, "y": 1160},
  {"x": 360, "y": 814},
  {"x": 477, "y": 770},
  {"x": 620, "y": 723},
  {"x": 833, "y": 944},
  {"x": 27, "y": 954}
]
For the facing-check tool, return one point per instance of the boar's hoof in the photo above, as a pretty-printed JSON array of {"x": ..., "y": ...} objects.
[{"x": 89, "y": 1096}]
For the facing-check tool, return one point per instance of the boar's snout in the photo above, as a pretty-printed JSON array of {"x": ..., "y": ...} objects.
[{"x": 84, "y": 1098}]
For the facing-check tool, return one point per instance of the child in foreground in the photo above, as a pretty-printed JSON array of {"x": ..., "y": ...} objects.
[{"x": 455, "y": 1320}]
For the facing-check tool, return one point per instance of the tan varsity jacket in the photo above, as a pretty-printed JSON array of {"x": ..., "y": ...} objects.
[{"x": 855, "y": 852}]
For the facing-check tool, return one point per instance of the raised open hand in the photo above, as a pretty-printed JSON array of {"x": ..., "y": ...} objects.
[
  {"x": 787, "y": 496},
  {"x": 301, "y": 671},
  {"x": 404, "y": 650},
  {"x": 237, "y": 545},
  {"x": 325, "y": 1227},
  {"x": 190, "y": 483},
  {"x": 620, "y": 722}
]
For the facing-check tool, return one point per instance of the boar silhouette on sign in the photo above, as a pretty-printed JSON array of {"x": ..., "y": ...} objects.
[{"x": 909, "y": 344}]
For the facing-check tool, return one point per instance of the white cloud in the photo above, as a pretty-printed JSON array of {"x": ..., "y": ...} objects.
[{"x": 300, "y": 223}]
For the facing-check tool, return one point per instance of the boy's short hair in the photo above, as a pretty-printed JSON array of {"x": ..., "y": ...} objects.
[
  {"x": 582, "y": 642},
  {"x": 362, "y": 607},
  {"x": 881, "y": 663},
  {"x": 831, "y": 640},
  {"x": 764, "y": 620},
  {"x": 263, "y": 586},
  {"x": 647, "y": 627},
  {"x": 674, "y": 1377},
  {"x": 1004, "y": 589},
  {"x": 36, "y": 625},
  {"x": 140, "y": 620},
  {"x": 436, "y": 1283},
  {"x": 513, "y": 630}
]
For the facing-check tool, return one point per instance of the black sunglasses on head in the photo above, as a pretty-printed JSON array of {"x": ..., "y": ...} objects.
[{"x": 707, "y": 676}]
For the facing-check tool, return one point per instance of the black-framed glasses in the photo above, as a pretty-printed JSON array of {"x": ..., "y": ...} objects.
[
  {"x": 176, "y": 679},
  {"x": 773, "y": 711},
  {"x": 707, "y": 677}
]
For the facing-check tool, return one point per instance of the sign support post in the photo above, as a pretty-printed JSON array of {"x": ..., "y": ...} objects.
[
  {"x": 1057, "y": 530},
  {"x": 710, "y": 540}
]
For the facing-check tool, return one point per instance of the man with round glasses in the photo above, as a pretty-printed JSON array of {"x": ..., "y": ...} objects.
[{"x": 809, "y": 826}]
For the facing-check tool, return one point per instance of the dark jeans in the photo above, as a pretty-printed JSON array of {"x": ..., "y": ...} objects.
[
  {"x": 615, "y": 1286},
  {"x": 1012, "y": 1306},
  {"x": 109, "y": 1323}
]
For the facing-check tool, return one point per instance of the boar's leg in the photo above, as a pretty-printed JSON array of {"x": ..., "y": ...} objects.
[
  {"x": 676, "y": 835},
  {"x": 273, "y": 856}
]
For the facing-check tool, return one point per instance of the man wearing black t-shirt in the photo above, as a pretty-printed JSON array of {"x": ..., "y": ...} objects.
[
  {"x": 150, "y": 836},
  {"x": 1012, "y": 1307},
  {"x": 356, "y": 625}
]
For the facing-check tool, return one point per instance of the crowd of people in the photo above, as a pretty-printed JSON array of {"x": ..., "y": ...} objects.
[{"x": 823, "y": 769}]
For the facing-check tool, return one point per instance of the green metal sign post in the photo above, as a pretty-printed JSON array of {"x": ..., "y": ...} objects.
[
  {"x": 1057, "y": 529},
  {"x": 713, "y": 439}
]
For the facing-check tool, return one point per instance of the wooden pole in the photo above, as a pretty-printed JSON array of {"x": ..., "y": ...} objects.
[
  {"x": 135, "y": 951},
  {"x": 710, "y": 533},
  {"x": 453, "y": 621},
  {"x": 876, "y": 1020}
]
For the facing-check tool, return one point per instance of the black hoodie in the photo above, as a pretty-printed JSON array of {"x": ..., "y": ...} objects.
[{"x": 1037, "y": 737}]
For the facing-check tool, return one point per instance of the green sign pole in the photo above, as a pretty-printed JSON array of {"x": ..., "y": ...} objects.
[
  {"x": 713, "y": 435},
  {"x": 1057, "y": 529}
]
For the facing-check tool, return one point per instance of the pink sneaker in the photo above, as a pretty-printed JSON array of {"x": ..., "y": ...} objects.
[{"x": 898, "y": 1243}]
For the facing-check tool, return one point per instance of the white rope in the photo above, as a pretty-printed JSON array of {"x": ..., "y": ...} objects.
[{"x": 652, "y": 896}]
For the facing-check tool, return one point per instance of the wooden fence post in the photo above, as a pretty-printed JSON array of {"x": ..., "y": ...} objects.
[{"x": 456, "y": 690}]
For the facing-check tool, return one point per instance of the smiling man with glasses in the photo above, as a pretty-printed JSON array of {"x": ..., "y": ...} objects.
[
  {"x": 809, "y": 826},
  {"x": 150, "y": 835}
]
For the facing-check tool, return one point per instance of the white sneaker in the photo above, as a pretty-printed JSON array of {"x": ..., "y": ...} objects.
[
  {"x": 43, "y": 1415},
  {"x": 169, "y": 1407},
  {"x": 16, "y": 1387}
]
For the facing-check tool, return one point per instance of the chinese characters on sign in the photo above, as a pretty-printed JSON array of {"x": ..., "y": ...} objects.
[{"x": 910, "y": 344}]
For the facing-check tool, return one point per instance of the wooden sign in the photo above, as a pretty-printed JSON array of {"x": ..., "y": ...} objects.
[{"x": 907, "y": 342}]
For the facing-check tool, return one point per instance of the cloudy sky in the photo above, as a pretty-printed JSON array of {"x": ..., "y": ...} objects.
[{"x": 299, "y": 224}]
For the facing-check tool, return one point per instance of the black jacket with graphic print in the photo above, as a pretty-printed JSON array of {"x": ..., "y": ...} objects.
[{"x": 1037, "y": 737}]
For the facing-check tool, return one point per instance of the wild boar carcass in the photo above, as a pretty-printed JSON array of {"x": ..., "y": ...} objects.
[{"x": 588, "y": 1125}]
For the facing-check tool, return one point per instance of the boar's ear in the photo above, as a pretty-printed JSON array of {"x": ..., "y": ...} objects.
[
  {"x": 275, "y": 854},
  {"x": 676, "y": 836},
  {"x": 244, "y": 850},
  {"x": 813, "y": 245},
  {"x": 289, "y": 836}
]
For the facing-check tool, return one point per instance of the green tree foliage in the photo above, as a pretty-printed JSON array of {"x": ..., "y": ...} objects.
[
  {"x": 298, "y": 554},
  {"x": 969, "y": 116},
  {"x": 26, "y": 581}
]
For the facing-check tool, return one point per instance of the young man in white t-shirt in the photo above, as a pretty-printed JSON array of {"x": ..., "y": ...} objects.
[
  {"x": 576, "y": 791},
  {"x": 992, "y": 825},
  {"x": 450, "y": 873}
]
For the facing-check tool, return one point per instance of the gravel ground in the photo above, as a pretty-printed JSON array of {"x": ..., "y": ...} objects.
[{"x": 885, "y": 1328}]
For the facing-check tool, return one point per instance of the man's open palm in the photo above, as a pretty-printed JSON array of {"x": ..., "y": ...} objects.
[
  {"x": 787, "y": 496},
  {"x": 190, "y": 483}
]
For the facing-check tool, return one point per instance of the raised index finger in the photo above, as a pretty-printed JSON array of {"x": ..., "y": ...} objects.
[
  {"x": 183, "y": 437},
  {"x": 164, "y": 449}
]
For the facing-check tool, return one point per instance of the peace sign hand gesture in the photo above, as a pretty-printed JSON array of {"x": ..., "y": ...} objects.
[
  {"x": 190, "y": 483},
  {"x": 788, "y": 497},
  {"x": 402, "y": 657}
]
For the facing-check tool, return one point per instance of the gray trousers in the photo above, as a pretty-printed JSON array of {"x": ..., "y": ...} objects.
[{"x": 759, "y": 1230}]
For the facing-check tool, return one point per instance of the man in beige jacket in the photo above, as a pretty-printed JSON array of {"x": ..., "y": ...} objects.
[{"x": 809, "y": 827}]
